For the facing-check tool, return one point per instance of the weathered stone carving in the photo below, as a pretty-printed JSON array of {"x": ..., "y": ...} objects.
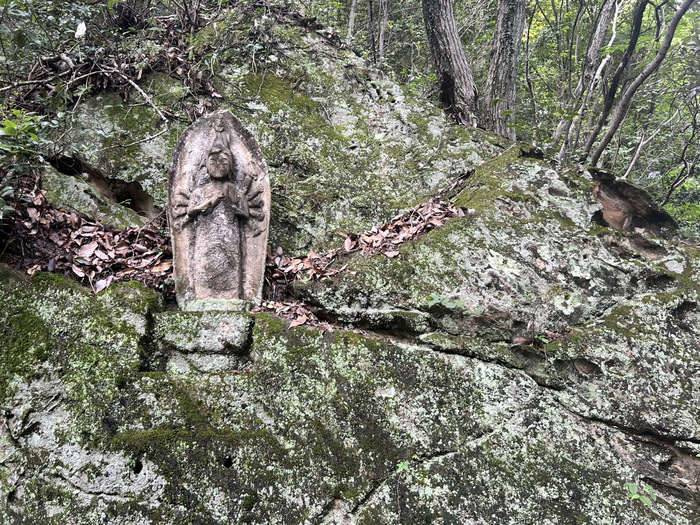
[{"x": 219, "y": 213}]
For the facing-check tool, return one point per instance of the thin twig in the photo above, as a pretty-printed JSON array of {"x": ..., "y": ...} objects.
[
  {"x": 145, "y": 96},
  {"x": 33, "y": 82},
  {"x": 145, "y": 139},
  {"x": 262, "y": 81},
  {"x": 47, "y": 80}
]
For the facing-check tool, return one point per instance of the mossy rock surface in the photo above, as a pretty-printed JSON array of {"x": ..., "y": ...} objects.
[
  {"x": 520, "y": 364},
  {"x": 74, "y": 194},
  {"x": 322, "y": 427},
  {"x": 128, "y": 142},
  {"x": 346, "y": 147}
]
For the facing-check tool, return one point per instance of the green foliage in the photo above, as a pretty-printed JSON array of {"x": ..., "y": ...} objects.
[
  {"x": 403, "y": 466},
  {"x": 18, "y": 156},
  {"x": 18, "y": 132},
  {"x": 31, "y": 28},
  {"x": 5, "y": 193},
  {"x": 688, "y": 217},
  {"x": 446, "y": 302},
  {"x": 647, "y": 495}
]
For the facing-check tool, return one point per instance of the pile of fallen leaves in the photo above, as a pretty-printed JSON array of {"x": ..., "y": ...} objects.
[
  {"x": 384, "y": 239},
  {"x": 402, "y": 228},
  {"x": 282, "y": 270},
  {"x": 56, "y": 240}
]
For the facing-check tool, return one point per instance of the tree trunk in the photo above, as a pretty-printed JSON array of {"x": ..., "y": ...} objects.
[
  {"x": 457, "y": 88},
  {"x": 384, "y": 6},
  {"x": 498, "y": 111},
  {"x": 624, "y": 103},
  {"x": 590, "y": 75},
  {"x": 573, "y": 130},
  {"x": 689, "y": 164},
  {"x": 370, "y": 32},
  {"x": 351, "y": 20},
  {"x": 611, "y": 92},
  {"x": 595, "y": 48},
  {"x": 528, "y": 81}
]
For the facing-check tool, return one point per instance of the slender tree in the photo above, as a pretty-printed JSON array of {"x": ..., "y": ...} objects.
[
  {"x": 384, "y": 6},
  {"x": 611, "y": 91},
  {"x": 689, "y": 160},
  {"x": 591, "y": 71},
  {"x": 457, "y": 88},
  {"x": 626, "y": 98},
  {"x": 351, "y": 20},
  {"x": 498, "y": 110},
  {"x": 370, "y": 31}
]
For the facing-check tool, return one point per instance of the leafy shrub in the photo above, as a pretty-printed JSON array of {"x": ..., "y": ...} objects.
[{"x": 18, "y": 153}]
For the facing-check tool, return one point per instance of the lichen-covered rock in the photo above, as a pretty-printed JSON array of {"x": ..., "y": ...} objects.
[
  {"x": 346, "y": 148},
  {"x": 203, "y": 341},
  {"x": 522, "y": 364},
  {"x": 74, "y": 194},
  {"x": 128, "y": 142},
  {"x": 529, "y": 259},
  {"x": 330, "y": 427}
]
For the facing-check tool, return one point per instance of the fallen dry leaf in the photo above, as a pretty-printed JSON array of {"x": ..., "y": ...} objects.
[
  {"x": 298, "y": 321},
  {"x": 87, "y": 250},
  {"x": 162, "y": 267},
  {"x": 379, "y": 239},
  {"x": 348, "y": 244}
]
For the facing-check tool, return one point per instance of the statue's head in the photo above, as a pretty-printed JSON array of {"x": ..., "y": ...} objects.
[{"x": 220, "y": 163}]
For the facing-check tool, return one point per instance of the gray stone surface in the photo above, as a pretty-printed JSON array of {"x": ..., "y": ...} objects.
[
  {"x": 561, "y": 362},
  {"x": 421, "y": 412},
  {"x": 74, "y": 194},
  {"x": 213, "y": 332}
]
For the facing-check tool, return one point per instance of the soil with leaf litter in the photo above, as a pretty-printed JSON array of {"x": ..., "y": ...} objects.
[{"x": 41, "y": 237}]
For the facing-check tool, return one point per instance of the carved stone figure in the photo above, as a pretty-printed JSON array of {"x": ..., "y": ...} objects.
[{"x": 219, "y": 213}]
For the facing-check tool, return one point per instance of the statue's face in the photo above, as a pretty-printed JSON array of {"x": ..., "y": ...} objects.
[{"x": 219, "y": 164}]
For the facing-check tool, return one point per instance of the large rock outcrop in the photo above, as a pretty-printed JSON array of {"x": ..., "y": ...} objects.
[{"x": 524, "y": 363}]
